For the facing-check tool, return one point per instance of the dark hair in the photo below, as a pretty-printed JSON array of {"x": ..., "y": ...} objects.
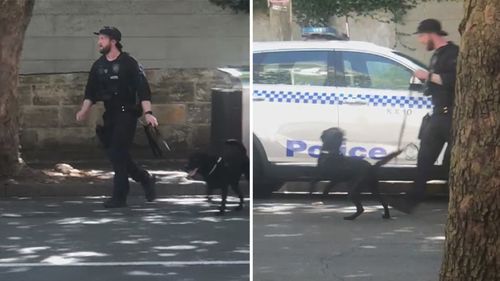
[{"x": 119, "y": 46}]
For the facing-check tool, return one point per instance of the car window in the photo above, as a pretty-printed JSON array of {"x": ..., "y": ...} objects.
[
  {"x": 363, "y": 70},
  {"x": 414, "y": 60},
  {"x": 293, "y": 68}
]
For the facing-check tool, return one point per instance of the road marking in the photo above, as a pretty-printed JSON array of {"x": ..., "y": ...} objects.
[
  {"x": 132, "y": 263},
  {"x": 283, "y": 235}
]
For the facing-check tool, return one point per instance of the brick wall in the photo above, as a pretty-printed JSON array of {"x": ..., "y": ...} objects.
[{"x": 49, "y": 102}]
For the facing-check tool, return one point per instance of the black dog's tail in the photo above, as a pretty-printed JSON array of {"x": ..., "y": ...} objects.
[
  {"x": 246, "y": 168},
  {"x": 236, "y": 143},
  {"x": 384, "y": 160},
  {"x": 235, "y": 155}
]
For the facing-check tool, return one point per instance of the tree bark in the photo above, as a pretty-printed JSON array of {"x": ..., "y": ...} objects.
[
  {"x": 14, "y": 18},
  {"x": 472, "y": 247}
]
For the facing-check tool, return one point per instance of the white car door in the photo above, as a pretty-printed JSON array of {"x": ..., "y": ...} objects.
[
  {"x": 375, "y": 99},
  {"x": 293, "y": 101}
]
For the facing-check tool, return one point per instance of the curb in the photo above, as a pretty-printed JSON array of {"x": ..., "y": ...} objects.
[
  {"x": 434, "y": 188},
  {"x": 102, "y": 189},
  {"x": 173, "y": 189}
]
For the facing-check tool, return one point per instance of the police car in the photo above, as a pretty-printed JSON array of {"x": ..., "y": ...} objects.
[{"x": 304, "y": 87}]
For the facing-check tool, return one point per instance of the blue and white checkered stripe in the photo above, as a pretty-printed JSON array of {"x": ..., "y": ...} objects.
[{"x": 334, "y": 98}]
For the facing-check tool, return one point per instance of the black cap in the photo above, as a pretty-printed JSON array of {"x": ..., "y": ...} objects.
[
  {"x": 110, "y": 31},
  {"x": 430, "y": 26}
]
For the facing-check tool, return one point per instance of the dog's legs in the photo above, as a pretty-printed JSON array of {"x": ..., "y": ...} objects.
[
  {"x": 237, "y": 190},
  {"x": 329, "y": 187},
  {"x": 224, "y": 192},
  {"x": 209, "y": 194},
  {"x": 376, "y": 192},
  {"x": 354, "y": 195},
  {"x": 359, "y": 210},
  {"x": 312, "y": 186}
]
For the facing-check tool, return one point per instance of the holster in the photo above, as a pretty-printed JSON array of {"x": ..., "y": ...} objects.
[{"x": 426, "y": 120}]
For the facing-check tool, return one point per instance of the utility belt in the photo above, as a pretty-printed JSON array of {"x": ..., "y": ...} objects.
[
  {"x": 442, "y": 110},
  {"x": 135, "y": 109}
]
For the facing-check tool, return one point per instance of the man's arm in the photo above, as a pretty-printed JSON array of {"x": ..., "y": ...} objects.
[
  {"x": 144, "y": 94},
  {"x": 424, "y": 75},
  {"x": 445, "y": 78},
  {"x": 148, "y": 115},
  {"x": 146, "y": 106},
  {"x": 436, "y": 79},
  {"x": 447, "y": 75},
  {"x": 85, "y": 110},
  {"x": 90, "y": 96}
]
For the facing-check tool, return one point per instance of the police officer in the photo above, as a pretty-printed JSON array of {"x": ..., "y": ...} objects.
[
  {"x": 118, "y": 80},
  {"x": 435, "y": 130}
]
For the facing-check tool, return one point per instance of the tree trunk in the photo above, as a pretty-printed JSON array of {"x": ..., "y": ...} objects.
[
  {"x": 472, "y": 247},
  {"x": 14, "y": 18},
  {"x": 280, "y": 20}
]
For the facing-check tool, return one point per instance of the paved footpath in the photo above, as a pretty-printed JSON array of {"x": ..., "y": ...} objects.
[
  {"x": 304, "y": 238},
  {"x": 176, "y": 238}
]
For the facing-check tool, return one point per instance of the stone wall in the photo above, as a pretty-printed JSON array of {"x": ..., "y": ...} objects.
[{"x": 49, "y": 102}]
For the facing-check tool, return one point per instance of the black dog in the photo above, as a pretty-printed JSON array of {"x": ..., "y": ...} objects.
[
  {"x": 220, "y": 172},
  {"x": 337, "y": 168}
]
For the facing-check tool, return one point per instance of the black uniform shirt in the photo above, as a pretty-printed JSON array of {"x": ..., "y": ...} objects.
[
  {"x": 444, "y": 63},
  {"x": 117, "y": 83}
]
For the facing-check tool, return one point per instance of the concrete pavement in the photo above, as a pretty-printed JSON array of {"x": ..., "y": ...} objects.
[
  {"x": 176, "y": 238},
  {"x": 169, "y": 183},
  {"x": 307, "y": 239}
]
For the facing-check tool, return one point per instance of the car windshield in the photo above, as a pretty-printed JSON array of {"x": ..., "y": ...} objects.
[
  {"x": 414, "y": 60},
  {"x": 240, "y": 72}
]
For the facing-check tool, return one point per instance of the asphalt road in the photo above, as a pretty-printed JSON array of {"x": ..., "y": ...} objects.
[
  {"x": 303, "y": 238},
  {"x": 177, "y": 238}
]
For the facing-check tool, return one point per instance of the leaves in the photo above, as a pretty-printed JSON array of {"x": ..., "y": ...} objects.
[
  {"x": 318, "y": 12},
  {"x": 235, "y": 5}
]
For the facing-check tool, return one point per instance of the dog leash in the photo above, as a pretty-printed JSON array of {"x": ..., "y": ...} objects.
[
  {"x": 215, "y": 166},
  {"x": 401, "y": 132},
  {"x": 405, "y": 116}
]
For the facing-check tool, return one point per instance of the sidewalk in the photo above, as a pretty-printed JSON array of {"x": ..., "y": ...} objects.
[{"x": 86, "y": 182}]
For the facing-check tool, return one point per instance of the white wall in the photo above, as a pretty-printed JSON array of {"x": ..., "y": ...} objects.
[
  {"x": 160, "y": 33},
  {"x": 450, "y": 14}
]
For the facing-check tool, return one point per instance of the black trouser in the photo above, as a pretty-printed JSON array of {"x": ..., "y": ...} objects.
[
  {"x": 118, "y": 135},
  {"x": 432, "y": 139}
]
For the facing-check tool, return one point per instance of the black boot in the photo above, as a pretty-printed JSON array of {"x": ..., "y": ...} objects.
[
  {"x": 149, "y": 188},
  {"x": 403, "y": 204},
  {"x": 114, "y": 203},
  {"x": 240, "y": 206}
]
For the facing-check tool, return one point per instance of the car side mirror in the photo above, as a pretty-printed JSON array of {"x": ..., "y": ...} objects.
[{"x": 416, "y": 85}]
